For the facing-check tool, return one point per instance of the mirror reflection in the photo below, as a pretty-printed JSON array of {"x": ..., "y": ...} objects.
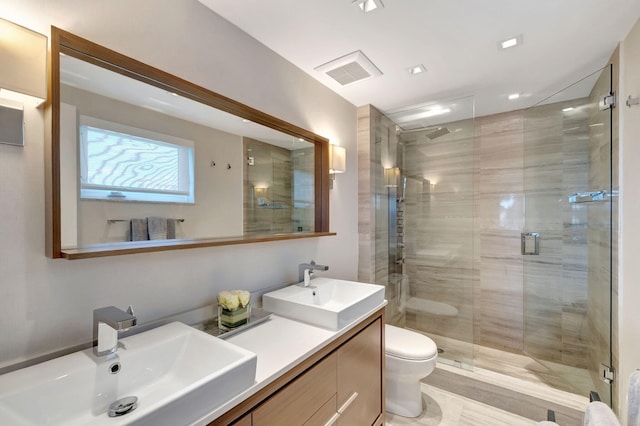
[{"x": 141, "y": 163}]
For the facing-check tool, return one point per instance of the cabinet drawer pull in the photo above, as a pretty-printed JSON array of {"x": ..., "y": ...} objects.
[
  {"x": 333, "y": 419},
  {"x": 342, "y": 409},
  {"x": 347, "y": 403}
]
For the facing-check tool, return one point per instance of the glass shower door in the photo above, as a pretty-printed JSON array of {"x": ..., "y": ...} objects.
[
  {"x": 568, "y": 203},
  {"x": 436, "y": 203}
]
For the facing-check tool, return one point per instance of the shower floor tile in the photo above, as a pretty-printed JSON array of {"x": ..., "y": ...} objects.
[
  {"x": 520, "y": 366},
  {"x": 513, "y": 395}
]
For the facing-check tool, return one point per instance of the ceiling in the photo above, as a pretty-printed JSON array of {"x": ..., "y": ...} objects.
[
  {"x": 95, "y": 79},
  {"x": 456, "y": 40}
]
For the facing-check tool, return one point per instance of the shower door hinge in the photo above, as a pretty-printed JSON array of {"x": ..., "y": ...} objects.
[
  {"x": 608, "y": 101},
  {"x": 607, "y": 374}
]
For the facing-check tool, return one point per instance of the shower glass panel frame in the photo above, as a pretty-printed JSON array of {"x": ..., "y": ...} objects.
[{"x": 569, "y": 201}]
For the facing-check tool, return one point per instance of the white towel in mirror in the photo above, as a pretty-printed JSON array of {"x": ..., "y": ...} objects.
[
  {"x": 157, "y": 228},
  {"x": 138, "y": 230},
  {"x": 171, "y": 228}
]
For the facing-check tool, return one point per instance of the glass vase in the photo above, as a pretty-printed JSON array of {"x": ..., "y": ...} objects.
[{"x": 228, "y": 320}]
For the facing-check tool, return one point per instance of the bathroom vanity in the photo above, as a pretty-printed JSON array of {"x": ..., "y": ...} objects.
[{"x": 339, "y": 381}]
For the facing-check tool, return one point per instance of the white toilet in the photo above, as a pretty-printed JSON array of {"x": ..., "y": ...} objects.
[{"x": 409, "y": 356}]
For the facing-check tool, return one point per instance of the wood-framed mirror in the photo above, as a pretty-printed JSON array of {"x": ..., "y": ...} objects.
[{"x": 139, "y": 160}]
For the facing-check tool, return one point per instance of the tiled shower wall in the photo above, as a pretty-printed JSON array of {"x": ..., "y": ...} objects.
[
  {"x": 465, "y": 210},
  {"x": 377, "y": 148},
  {"x": 466, "y": 252}
]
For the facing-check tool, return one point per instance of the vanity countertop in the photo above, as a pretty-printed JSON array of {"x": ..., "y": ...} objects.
[{"x": 280, "y": 344}]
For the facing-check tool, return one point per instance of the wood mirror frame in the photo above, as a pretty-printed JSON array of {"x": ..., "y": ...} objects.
[{"x": 63, "y": 42}]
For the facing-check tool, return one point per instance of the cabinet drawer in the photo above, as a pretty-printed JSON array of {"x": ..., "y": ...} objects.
[{"x": 302, "y": 398}]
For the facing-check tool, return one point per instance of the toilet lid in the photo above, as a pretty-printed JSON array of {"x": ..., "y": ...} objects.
[{"x": 408, "y": 344}]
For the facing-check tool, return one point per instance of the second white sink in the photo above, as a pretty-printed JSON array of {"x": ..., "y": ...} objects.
[{"x": 327, "y": 302}]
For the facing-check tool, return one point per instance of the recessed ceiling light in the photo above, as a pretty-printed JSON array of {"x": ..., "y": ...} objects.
[
  {"x": 510, "y": 42},
  {"x": 514, "y": 96},
  {"x": 567, "y": 109},
  {"x": 367, "y": 6},
  {"x": 244, "y": 120},
  {"x": 417, "y": 69}
]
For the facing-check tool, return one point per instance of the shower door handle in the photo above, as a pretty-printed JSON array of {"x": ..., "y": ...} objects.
[{"x": 530, "y": 243}]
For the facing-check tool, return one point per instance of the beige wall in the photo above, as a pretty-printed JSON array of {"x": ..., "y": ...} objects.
[
  {"x": 629, "y": 232},
  {"x": 47, "y": 304}
]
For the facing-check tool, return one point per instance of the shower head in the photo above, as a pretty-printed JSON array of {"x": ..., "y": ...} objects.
[{"x": 440, "y": 131}]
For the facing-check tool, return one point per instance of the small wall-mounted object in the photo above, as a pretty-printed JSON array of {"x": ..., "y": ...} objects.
[
  {"x": 633, "y": 101},
  {"x": 391, "y": 177},
  {"x": 608, "y": 102},
  {"x": 23, "y": 55},
  {"x": 530, "y": 243},
  {"x": 337, "y": 162},
  {"x": 589, "y": 196},
  {"x": 11, "y": 123}
]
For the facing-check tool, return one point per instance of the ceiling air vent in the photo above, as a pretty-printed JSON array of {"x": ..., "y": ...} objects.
[{"x": 350, "y": 68}]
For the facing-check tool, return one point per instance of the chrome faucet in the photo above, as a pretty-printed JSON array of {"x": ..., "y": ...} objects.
[
  {"x": 305, "y": 271},
  {"x": 107, "y": 322}
]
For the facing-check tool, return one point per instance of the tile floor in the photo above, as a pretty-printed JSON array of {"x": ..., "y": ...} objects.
[
  {"x": 557, "y": 376},
  {"x": 501, "y": 388},
  {"x": 455, "y": 396},
  {"x": 449, "y": 409}
]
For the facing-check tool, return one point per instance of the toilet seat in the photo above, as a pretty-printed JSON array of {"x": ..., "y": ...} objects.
[{"x": 407, "y": 344}]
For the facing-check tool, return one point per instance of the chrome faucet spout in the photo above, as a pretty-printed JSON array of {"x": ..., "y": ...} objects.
[
  {"x": 305, "y": 271},
  {"x": 107, "y": 322}
]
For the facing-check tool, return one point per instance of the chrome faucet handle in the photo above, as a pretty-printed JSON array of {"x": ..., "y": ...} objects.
[
  {"x": 305, "y": 271},
  {"x": 107, "y": 323}
]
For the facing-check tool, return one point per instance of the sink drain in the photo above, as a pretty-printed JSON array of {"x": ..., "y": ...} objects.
[{"x": 123, "y": 406}]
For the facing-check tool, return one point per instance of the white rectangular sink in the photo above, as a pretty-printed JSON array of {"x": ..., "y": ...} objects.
[
  {"x": 327, "y": 302},
  {"x": 177, "y": 373}
]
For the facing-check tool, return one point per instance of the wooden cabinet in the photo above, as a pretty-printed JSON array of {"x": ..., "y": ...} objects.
[
  {"x": 342, "y": 384},
  {"x": 359, "y": 378}
]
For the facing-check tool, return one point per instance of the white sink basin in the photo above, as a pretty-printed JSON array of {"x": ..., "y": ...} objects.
[
  {"x": 177, "y": 372},
  {"x": 327, "y": 302}
]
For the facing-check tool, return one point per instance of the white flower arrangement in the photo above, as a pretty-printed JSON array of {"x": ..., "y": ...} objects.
[{"x": 234, "y": 299}]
